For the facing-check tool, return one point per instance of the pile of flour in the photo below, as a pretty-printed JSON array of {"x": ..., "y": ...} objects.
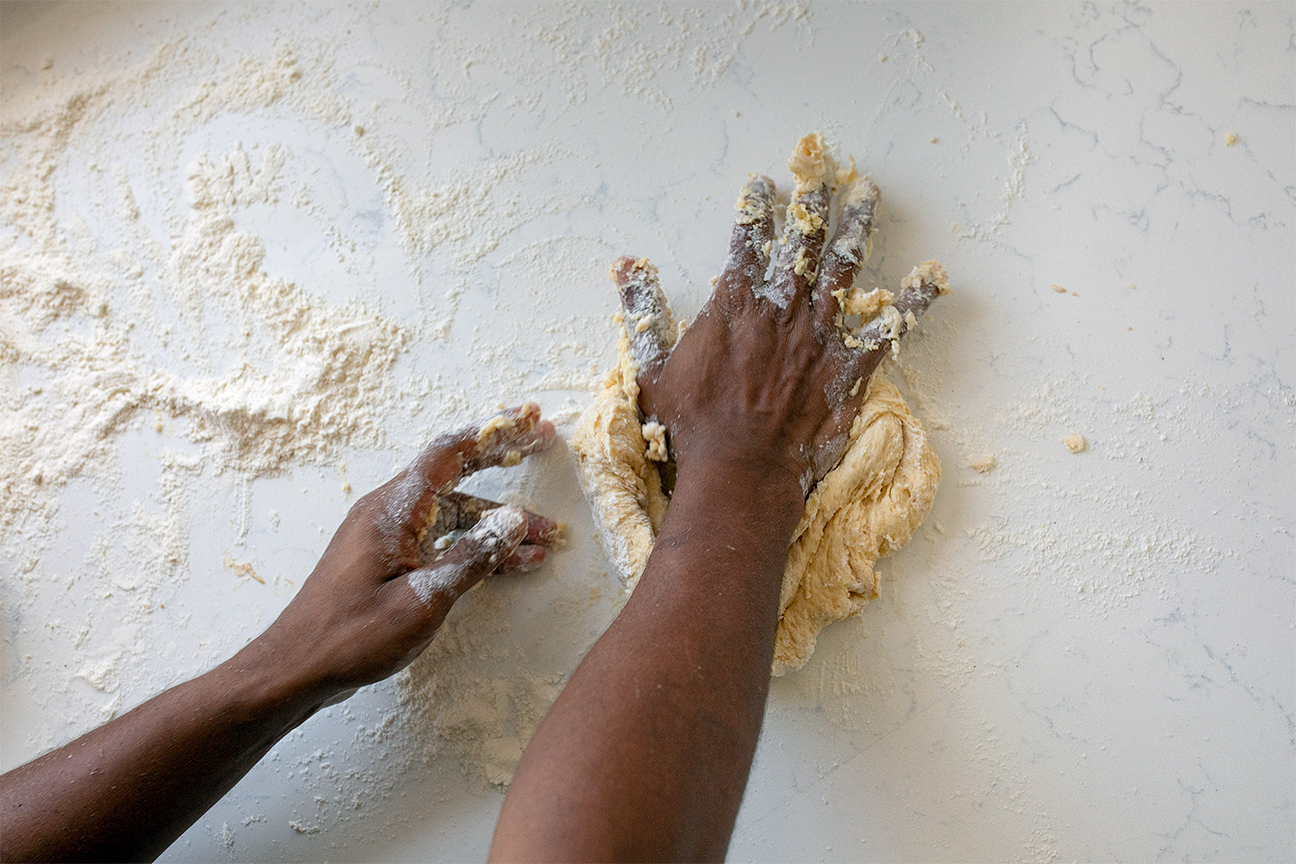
[{"x": 269, "y": 375}]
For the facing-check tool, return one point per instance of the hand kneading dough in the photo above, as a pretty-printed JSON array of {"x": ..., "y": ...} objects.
[{"x": 866, "y": 507}]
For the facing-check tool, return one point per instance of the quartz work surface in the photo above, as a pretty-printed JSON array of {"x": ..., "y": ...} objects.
[{"x": 253, "y": 256}]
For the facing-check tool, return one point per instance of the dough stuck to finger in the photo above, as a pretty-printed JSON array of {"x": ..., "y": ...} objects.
[
  {"x": 887, "y": 323},
  {"x": 754, "y": 200},
  {"x": 930, "y": 272},
  {"x": 861, "y": 304},
  {"x": 504, "y": 427},
  {"x": 650, "y": 326},
  {"x": 507, "y": 438},
  {"x": 811, "y": 165}
]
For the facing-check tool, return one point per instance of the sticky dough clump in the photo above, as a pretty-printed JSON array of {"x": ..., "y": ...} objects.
[
  {"x": 865, "y": 508},
  {"x": 812, "y": 166}
]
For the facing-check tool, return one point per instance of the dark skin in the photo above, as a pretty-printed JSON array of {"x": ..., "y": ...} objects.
[
  {"x": 373, "y": 603},
  {"x": 645, "y": 755}
]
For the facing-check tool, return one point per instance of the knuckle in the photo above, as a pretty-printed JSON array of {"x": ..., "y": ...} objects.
[{"x": 367, "y": 504}]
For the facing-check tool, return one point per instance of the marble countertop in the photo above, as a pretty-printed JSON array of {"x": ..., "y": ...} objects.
[{"x": 1080, "y": 655}]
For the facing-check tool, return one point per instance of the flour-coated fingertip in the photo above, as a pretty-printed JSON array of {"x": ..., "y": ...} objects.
[{"x": 506, "y": 524}]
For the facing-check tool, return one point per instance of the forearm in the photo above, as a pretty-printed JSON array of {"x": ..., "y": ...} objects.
[
  {"x": 646, "y": 753},
  {"x": 373, "y": 602},
  {"x": 127, "y": 790}
]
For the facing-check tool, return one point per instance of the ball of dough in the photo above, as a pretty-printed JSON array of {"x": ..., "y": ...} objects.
[{"x": 866, "y": 507}]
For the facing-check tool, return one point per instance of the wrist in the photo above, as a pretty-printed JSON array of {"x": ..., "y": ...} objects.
[
  {"x": 748, "y": 487},
  {"x": 742, "y": 442},
  {"x": 264, "y": 681}
]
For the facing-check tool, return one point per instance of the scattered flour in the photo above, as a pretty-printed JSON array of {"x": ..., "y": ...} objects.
[
  {"x": 139, "y": 303},
  {"x": 292, "y": 380}
]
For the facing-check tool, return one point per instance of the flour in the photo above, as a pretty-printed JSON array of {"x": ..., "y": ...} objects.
[
  {"x": 144, "y": 322},
  {"x": 305, "y": 377},
  {"x": 185, "y": 335},
  {"x": 497, "y": 532}
]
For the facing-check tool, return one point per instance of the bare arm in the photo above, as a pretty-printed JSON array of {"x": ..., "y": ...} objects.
[
  {"x": 646, "y": 753},
  {"x": 645, "y": 756},
  {"x": 126, "y": 790}
]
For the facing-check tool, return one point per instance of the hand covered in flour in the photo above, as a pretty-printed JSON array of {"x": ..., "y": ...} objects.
[
  {"x": 768, "y": 372},
  {"x": 406, "y": 551}
]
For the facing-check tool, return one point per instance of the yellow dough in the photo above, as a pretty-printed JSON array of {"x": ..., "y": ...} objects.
[{"x": 866, "y": 507}]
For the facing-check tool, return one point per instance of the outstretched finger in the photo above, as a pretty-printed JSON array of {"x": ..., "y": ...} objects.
[
  {"x": 752, "y": 240},
  {"x": 647, "y": 317},
  {"x": 504, "y": 439},
  {"x": 479, "y": 552},
  {"x": 806, "y": 225},
  {"x": 848, "y": 251},
  {"x": 924, "y": 284},
  {"x": 508, "y": 438},
  {"x": 917, "y": 291}
]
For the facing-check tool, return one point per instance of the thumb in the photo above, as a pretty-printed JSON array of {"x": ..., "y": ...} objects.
[
  {"x": 475, "y": 555},
  {"x": 648, "y": 321}
]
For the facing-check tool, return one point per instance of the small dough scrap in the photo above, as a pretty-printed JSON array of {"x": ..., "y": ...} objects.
[
  {"x": 865, "y": 508},
  {"x": 655, "y": 437},
  {"x": 928, "y": 271},
  {"x": 865, "y": 304},
  {"x": 1076, "y": 443},
  {"x": 985, "y": 464}
]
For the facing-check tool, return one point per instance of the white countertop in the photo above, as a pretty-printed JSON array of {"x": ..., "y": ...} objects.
[{"x": 1080, "y": 656}]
